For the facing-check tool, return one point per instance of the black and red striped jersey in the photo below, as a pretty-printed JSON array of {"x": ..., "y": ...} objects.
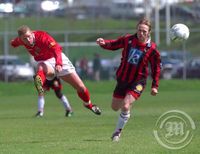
[{"x": 135, "y": 59}]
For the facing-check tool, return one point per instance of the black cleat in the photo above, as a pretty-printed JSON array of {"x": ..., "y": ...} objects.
[
  {"x": 39, "y": 114},
  {"x": 116, "y": 136},
  {"x": 95, "y": 109},
  {"x": 69, "y": 113}
]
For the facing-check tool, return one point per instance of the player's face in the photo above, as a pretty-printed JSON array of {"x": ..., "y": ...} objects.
[
  {"x": 28, "y": 38},
  {"x": 143, "y": 33}
]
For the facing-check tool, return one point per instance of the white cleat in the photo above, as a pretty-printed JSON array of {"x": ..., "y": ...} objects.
[
  {"x": 39, "y": 114},
  {"x": 116, "y": 136}
]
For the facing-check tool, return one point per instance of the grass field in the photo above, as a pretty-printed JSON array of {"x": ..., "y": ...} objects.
[{"x": 86, "y": 133}]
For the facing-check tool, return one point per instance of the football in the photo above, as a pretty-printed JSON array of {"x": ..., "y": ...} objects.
[{"x": 179, "y": 32}]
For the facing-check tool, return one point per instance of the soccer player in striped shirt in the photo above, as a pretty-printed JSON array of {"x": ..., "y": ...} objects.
[
  {"x": 51, "y": 62},
  {"x": 137, "y": 52}
]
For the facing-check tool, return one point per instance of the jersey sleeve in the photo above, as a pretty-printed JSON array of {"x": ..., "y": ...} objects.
[
  {"x": 15, "y": 42},
  {"x": 54, "y": 47},
  {"x": 114, "y": 44},
  {"x": 155, "y": 62}
]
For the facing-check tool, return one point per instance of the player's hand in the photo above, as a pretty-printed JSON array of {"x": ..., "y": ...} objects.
[
  {"x": 154, "y": 91},
  {"x": 100, "y": 41},
  {"x": 58, "y": 68}
]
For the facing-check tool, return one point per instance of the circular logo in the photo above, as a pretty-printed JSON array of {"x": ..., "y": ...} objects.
[
  {"x": 139, "y": 87},
  {"x": 174, "y": 129}
]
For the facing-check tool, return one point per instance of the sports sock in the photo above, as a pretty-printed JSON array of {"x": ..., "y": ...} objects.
[
  {"x": 122, "y": 120},
  {"x": 65, "y": 102},
  {"x": 85, "y": 96},
  {"x": 88, "y": 104},
  {"x": 41, "y": 103},
  {"x": 42, "y": 75}
]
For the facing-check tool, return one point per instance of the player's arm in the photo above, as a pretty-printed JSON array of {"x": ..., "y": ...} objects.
[
  {"x": 15, "y": 42},
  {"x": 111, "y": 44},
  {"x": 56, "y": 49},
  {"x": 57, "y": 54},
  {"x": 155, "y": 62}
]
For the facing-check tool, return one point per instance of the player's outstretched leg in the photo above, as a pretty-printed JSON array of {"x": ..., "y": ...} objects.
[
  {"x": 82, "y": 91},
  {"x": 85, "y": 96}
]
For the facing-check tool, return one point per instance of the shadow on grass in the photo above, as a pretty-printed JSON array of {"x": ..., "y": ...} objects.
[{"x": 93, "y": 140}]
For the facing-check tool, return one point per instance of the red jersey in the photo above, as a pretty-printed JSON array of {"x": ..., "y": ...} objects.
[
  {"x": 135, "y": 59},
  {"x": 45, "y": 47}
]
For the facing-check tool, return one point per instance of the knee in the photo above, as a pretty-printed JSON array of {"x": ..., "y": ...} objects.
[
  {"x": 126, "y": 107},
  {"x": 41, "y": 66},
  {"x": 81, "y": 89},
  {"x": 46, "y": 69},
  {"x": 115, "y": 107}
]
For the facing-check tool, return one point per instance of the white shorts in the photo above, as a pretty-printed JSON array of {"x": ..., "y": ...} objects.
[{"x": 67, "y": 66}]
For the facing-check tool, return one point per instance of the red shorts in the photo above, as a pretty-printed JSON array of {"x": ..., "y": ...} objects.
[{"x": 135, "y": 89}]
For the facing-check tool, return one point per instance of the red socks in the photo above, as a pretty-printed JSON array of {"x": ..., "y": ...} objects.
[
  {"x": 85, "y": 96},
  {"x": 89, "y": 106}
]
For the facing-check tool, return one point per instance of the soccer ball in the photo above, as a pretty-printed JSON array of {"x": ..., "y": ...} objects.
[{"x": 179, "y": 32}]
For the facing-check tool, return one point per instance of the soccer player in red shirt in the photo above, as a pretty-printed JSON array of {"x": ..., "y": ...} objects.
[
  {"x": 56, "y": 85},
  {"x": 138, "y": 51},
  {"x": 51, "y": 62}
]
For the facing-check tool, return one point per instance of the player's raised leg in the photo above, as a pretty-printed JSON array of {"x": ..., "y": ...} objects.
[
  {"x": 83, "y": 93},
  {"x": 43, "y": 71}
]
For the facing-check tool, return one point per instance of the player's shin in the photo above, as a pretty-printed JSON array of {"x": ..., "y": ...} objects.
[
  {"x": 39, "y": 80},
  {"x": 41, "y": 74},
  {"x": 65, "y": 102},
  {"x": 41, "y": 103},
  {"x": 85, "y": 96},
  {"x": 122, "y": 120}
]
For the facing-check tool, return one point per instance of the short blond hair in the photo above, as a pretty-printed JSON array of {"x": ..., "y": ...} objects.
[
  {"x": 145, "y": 21},
  {"x": 23, "y": 29}
]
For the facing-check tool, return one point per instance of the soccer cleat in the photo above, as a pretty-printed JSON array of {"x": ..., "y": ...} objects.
[
  {"x": 69, "y": 113},
  {"x": 95, "y": 109},
  {"x": 116, "y": 136},
  {"x": 39, "y": 114},
  {"x": 38, "y": 84}
]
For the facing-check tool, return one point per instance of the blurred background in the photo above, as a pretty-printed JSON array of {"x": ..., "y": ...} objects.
[{"x": 76, "y": 24}]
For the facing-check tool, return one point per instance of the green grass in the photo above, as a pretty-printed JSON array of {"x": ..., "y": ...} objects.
[{"x": 86, "y": 133}]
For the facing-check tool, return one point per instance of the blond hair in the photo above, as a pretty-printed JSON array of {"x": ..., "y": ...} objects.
[
  {"x": 145, "y": 21},
  {"x": 23, "y": 29}
]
